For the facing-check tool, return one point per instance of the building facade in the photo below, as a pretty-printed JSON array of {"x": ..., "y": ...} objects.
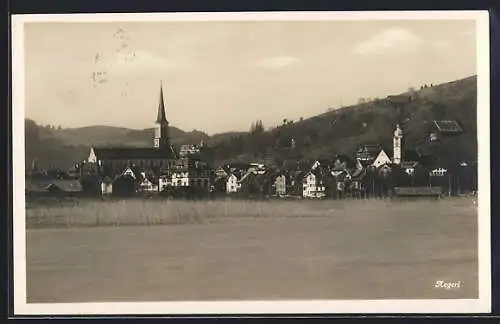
[{"x": 110, "y": 161}]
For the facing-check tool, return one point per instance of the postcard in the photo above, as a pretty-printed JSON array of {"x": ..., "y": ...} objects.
[{"x": 251, "y": 163}]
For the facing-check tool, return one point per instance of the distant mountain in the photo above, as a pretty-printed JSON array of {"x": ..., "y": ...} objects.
[
  {"x": 338, "y": 131},
  {"x": 109, "y": 135},
  {"x": 62, "y": 147}
]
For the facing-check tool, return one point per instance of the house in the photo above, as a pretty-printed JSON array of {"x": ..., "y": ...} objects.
[
  {"x": 368, "y": 152},
  {"x": 381, "y": 159},
  {"x": 409, "y": 167},
  {"x": 189, "y": 149},
  {"x": 148, "y": 184},
  {"x": 232, "y": 184},
  {"x": 339, "y": 164},
  {"x": 280, "y": 185},
  {"x": 164, "y": 181},
  {"x": 357, "y": 179},
  {"x": 442, "y": 128},
  {"x": 107, "y": 186},
  {"x": 255, "y": 183},
  {"x": 312, "y": 184},
  {"x": 47, "y": 186},
  {"x": 341, "y": 180},
  {"x": 385, "y": 169},
  {"x": 438, "y": 172},
  {"x": 191, "y": 172},
  {"x": 258, "y": 168},
  {"x": 126, "y": 183},
  {"x": 222, "y": 172},
  {"x": 110, "y": 160},
  {"x": 295, "y": 182}
]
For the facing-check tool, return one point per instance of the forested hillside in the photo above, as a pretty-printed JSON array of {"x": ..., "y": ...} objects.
[
  {"x": 341, "y": 131},
  {"x": 338, "y": 131}
]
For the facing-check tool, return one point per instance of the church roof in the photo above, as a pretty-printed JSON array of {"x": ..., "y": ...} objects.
[
  {"x": 161, "y": 109},
  {"x": 129, "y": 153}
]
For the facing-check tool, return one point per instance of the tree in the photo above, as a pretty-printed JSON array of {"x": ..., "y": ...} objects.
[{"x": 257, "y": 127}]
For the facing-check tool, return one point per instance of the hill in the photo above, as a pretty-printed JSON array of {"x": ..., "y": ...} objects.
[
  {"x": 338, "y": 131},
  {"x": 62, "y": 147},
  {"x": 343, "y": 130}
]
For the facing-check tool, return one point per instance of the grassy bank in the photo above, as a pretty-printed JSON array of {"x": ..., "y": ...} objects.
[{"x": 87, "y": 213}]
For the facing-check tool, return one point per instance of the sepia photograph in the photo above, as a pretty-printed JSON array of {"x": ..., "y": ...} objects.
[{"x": 245, "y": 163}]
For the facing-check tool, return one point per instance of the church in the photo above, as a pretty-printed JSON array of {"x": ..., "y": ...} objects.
[{"x": 155, "y": 159}]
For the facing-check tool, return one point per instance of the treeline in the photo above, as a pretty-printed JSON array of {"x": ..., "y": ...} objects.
[{"x": 44, "y": 151}]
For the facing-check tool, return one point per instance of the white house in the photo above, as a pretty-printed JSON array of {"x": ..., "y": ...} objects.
[
  {"x": 409, "y": 167},
  {"x": 232, "y": 184},
  {"x": 107, "y": 186},
  {"x": 129, "y": 172},
  {"x": 188, "y": 149},
  {"x": 381, "y": 159},
  {"x": 147, "y": 185},
  {"x": 280, "y": 185},
  {"x": 163, "y": 182},
  {"x": 180, "y": 178},
  {"x": 312, "y": 187},
  {"x": 439, "y": 172}
]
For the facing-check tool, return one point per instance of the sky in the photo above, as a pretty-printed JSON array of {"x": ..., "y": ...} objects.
[{"x": 221, "y": 76}]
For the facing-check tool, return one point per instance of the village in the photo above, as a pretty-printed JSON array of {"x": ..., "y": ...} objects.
[{"x": 160, "y": 170}]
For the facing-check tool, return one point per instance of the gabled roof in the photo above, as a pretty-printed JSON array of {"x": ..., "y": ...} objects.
[
  {"x": 41, "y": 185},
  {"x": 246, "y": 176},
  {"x": 364, "y": 163},
  {"x": 409, "y": 164},
  {"x": 240, "y": 166},
  {"x": 107, "y": 180},
  {"x": 447, "y": 126},
  {"x": 370, "y": 148},
  {"x": 130, "y": 153}
]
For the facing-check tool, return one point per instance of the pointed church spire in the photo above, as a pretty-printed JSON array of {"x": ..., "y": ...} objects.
[{"x": 161, "y": 118}]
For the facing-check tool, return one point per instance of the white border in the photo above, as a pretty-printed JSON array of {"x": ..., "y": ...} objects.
[{"x": 481, "y": 305}]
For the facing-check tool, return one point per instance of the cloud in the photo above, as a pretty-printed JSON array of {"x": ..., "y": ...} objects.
[
  {"x": 390, "y": 41},
  {"x": 278, "y": 62}
]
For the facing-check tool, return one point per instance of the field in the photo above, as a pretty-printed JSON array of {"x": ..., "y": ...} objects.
[{"x": 152, "y": 250}]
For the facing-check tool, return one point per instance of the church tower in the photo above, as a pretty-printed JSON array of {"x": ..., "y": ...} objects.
[
  {"x": 397, "y": 145},
  {"x": 161, "y": 136}
]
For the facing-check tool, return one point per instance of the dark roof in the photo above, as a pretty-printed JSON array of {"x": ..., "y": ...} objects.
[
  {"x": 161, "y": 118},
  {"x": 409, "y": 164},
  {"x": 370, "y": 148},
  {"x": 447, "y": 126},
  {"x": 125, "y": 153},
  {"x": 365, "y": 163},
  {"x": 40, "y": 185},
  {"x": 241, "y": 166},
  {"x": 107, "y": 180}
]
